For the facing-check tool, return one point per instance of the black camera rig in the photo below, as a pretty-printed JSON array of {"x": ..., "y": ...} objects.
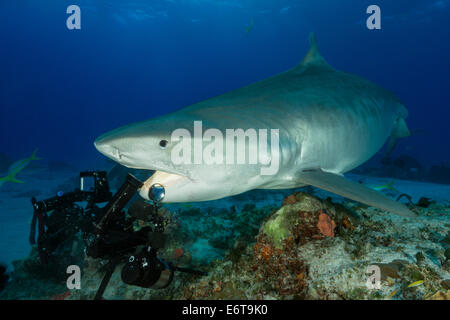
[
  {"x": 108, "y": 232},
  {"x": 59, "y": 217}
]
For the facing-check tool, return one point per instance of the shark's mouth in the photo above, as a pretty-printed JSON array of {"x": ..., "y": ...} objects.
[
  {"x": 170, "y": 171},
  {"x": 170, "y": 181}
]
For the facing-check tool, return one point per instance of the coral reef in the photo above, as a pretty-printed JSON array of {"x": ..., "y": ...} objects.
[
  {"x": 308, "y": 248},
  {"x": 32, "y": 280},
  {"x": 209, "y": 233},
  {"x": 294, "y": 259}
]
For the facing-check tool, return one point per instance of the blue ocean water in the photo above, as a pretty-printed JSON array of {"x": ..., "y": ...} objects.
[{"x": 133, "y": 60}]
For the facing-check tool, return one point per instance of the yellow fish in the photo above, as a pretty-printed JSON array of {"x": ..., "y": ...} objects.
[
  {"x": 249, "y": 28},
  {"x": 415, "y": 284},
  {"x": 388, "y": 186},
  {"x": 18, "y": 166},
  {"x": 393, "y": 293}
]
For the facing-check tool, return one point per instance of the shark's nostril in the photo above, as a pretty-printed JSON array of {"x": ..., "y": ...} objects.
[
  {"x": 107, "y": 149},
  {"x": 116, "y": 153}
]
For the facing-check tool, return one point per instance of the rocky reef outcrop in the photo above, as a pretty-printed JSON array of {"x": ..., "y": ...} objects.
[
  {"x": 309, "y": 248},
  {"x": 315, "y": 249}
]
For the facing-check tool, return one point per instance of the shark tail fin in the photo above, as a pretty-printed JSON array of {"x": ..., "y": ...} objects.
[
  {"x": 11, "y": 178},
  {"x": 33, "y": 155}
]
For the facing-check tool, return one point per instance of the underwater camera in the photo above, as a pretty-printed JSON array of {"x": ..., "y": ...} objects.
[
  {"x": 59, "y": 218},
  {"x": 108, "y": 232},
  {"x": 147, "y": 270},
  {"x": 116, "y": 241}
]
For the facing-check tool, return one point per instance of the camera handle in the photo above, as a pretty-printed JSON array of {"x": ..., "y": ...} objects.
[
  {"x": 110, "y": 267},
  {"x": 114, "y": 206},
  {"x": 118, "y": 202}
]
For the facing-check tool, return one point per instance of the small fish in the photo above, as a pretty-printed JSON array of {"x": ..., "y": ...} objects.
[
  {"x": 389, "y": 186},
  {"x": 17, "y": 167},
  {"x": 393, "y": 293},
  {"x": 249, "y": 28},
  {"x": 415, "y": 284}
]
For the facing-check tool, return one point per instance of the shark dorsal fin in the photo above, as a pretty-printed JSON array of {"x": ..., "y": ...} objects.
[{"x": 313, "y": 58}]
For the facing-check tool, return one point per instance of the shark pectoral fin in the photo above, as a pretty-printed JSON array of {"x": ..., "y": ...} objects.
[
  {"x": 339, "y": 185},
  {"x": 400, "y": 130}
]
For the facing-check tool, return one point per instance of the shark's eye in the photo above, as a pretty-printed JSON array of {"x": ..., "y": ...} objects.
[{"x": 163, "y": 144}]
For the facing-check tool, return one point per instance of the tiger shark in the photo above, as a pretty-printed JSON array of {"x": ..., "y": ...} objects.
[{"x": 328, "y": 122}]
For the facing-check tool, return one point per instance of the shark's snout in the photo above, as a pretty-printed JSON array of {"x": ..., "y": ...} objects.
[{"x": 105, "y": 147}]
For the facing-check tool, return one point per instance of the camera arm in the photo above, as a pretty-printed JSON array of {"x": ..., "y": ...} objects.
[
  {"x": 110, "y": 212},
  {"x": 118, "y": 202}
]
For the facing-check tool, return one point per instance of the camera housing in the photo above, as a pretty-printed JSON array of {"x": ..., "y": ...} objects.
[
  {"x": 59, "y": 218},
  {"x": 146, "y": 270},
  {"x": 108, "y": 232}
]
